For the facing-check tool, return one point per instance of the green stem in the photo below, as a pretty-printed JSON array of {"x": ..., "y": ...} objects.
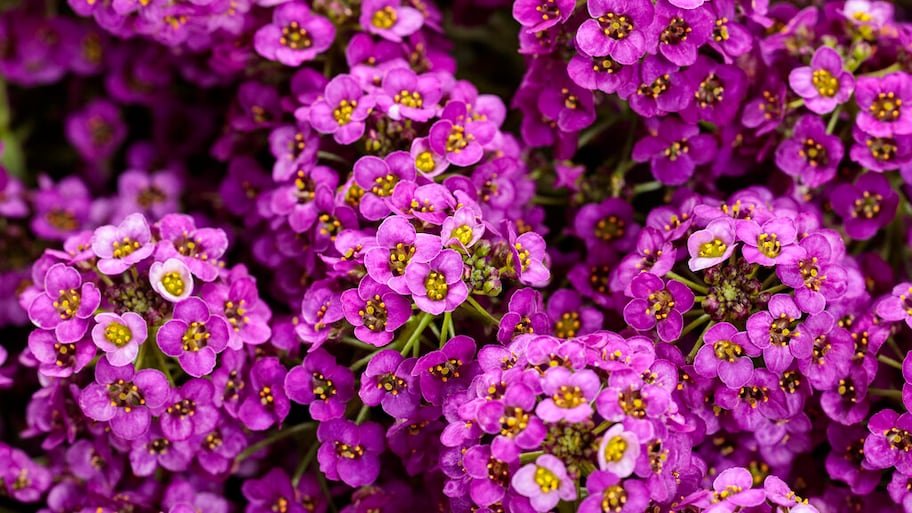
[
  {"x": 892, "y": 394},
  {"x": 278, "y": 435},
  {"x": 357, "y": 343},
  {"x": 895, "y": 347},
  {"x": 363, "y": 361},
  {"x": 831, "y": 125},
  {"x": 777, "y": 288},
  {"x": 889, "y": 361},
  {"x": 640, "y": 188},
  {"x": 362, "y": 414},
  {"x": 324, "y": 486},
  {"x": 423, "y": 321},
  {"x": 883, "y": 71},
  {"x": 445, "y": 327},
  {"x": 528, "y": 457},
  {"x": 484, "y": 313},
  {"x": 795, "y": 104},
  {"x": 695, "y": 324},
  {"x": 692, "y": 284},
  {"x": 602, "y": 428},
  {"x": 305, "y": 463},
  {"x": 699, "y": 343}
]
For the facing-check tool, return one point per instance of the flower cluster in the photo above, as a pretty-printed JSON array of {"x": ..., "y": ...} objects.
[{"x": 307, "y": 256}]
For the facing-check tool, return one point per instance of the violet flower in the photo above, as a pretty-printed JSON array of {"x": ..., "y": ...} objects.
[
  {"x": 350, "y": 452},
  {"x": 375, "y": 311},
  {"x": 321, "y": 383},
  {"x": 119, "y": 336},
  {"x": 341, "y": 110},
  {"x": 824, "y": 84},
  {"x": 295, "y": 36},
  {"x": 265, "y": 403},
  {"x": 882, "y": 104},
  {"x": 194, "y": 336},
  {"x": 810, "y": 155},
  {"x": 198, "y": 248},
  {"x": 726, "y": 353},
  {"x": 608, "y": 492},
  {"x": 865, "y": 206},
  {"x": 658, "y": 304},
  {"x": 674, "y": 149},
  {"x": 387, "y": 381},
  {"x": 617, "y": 28},
  {"x": 124, "y": 397},
  {"x": 437, "y": 286},
  {"x": 171, "y": 279},
  {"x": 711, "y": 245},
  {"x": 769, "y": 244},
  {"x": 568, "y": 395},
  {"x": 390, "y": 19},
  {"x": 545, "y": 482},
  {"x": 65, "y": 305}
]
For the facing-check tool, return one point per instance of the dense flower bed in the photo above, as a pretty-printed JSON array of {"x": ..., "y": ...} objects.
[{"x": 612, "y": 256}]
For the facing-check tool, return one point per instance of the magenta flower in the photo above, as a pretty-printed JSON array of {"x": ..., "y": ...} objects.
[
  {"x": 769, "y": 244},
  {"x": 726, "y": 353},
  {"x": 538, "y": 15},
  {"x": 458, "y": 137},
  {"x": 545, "y": 483},
  {"x": 674, "y": 150},
  {"x": 606, "y": 225},
  {"x": 239, "y": 302},
  {"x": 321, "y": 383},
  {"x": 408, "y": 95},
  {"x": 194, "y": 336},
  {"x": 390, "y": 19},
  {"x": 608, "y": 492},
  {"x": 882, "y": 103},
  {"x": 658, "y": 304},
  {"x": 816, "y": 276},
  {"x": 350, "y": 452},
  {"x": 711, "y": 245},
  {"x": 865, "y": 206},
  {"x": 189, "y": 411},
  {"x": 388, "y": 381},
  {"x": 527, "y": 257},
  {"x": 618, "y": 451},
  {"x": 810, "y": 155},
  {"x": 56, "y": 359},
  {"x": 437, "y": 286},
  {"x": 375, "y": 311},
  {"x": 445, "y": 367},
  {"x": 341, "y": 110},
  {"x": 732, "y": 489},
  {"x": 898, "y": 305},
  {"x": 295, "y": 36},
  {"x": 618, "y": 29},
  {"x": 890, "y": 441},
  {"x": 680, "y": 32},
  {"x": 776, "y": 332},
  {"x": 65, "y": 305},
  {"x": 124, "y": 397},
  {"x": 265, "y": 402},
  {"x": 198, "y": 248},
  {"x": 379, "y": 177},
  {"x": 398, "y": 245},
  {"x": 97, "y": 131},
  {"x": 119, "y": 336},
  {"x": 568, "y": 395},
  {"x": 119, "y": 247},
  {"x": 171, "y": 279},
  {"x": 880, "y": 153},
  {"x": 824, "y": 84}
]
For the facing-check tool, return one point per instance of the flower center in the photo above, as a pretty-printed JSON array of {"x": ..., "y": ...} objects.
[
  {"x": 266, "y": 397},
  {"x": 343, "y": 113},
  {"x": 605, "y": 65},
  {"x": 615, "y": 449},
  {"x": 322, "y": 388},
  {"x": 118, "y": 334},
  {"x": 158, "y": 446},
  {"x": 546, "y": 480},
  {"x": 446, "y": 370},
  {"x": 770, "y": 105},
  {"x": 609, "y": 228},
  {"x": 101, "y": 131},
  {"x": 568, "y": 397},
  {"x": 900, "y": 439},
  {"x": 150, "y": 196},
  {"x": 191, "y": 247},
  {"x": 498, "y": 472},
  {"x": 330, "y": 226},
  {"x": 886, "y": 107},
  {"x": 384, "y": 18},
  {"x": 66, "y": 355},
  {"x": 374, "y": 314},
  {"x": 463, "y": 234},
  {"x": 391, "y": 383},
  {"x": 425, "y": 161},
  {"x": 616, "y": 26},
  {"x": 727, "y": 350},
  {"x": 868, "y": 205},
  {"x": 713, "y": 249},
  {"x": 525, "y": 256},
  {"x": 295, "y": 36},
  {"x": 174, "y": 283},
  {"x": 549, "y": 10},
  {"x": 811, "y": 274},
  {"x": 675, "y": 32},
  {"x": 351, "y": 452},
  {"x": 753, "y": 395},
  {"x": 236, "y": 313},
  {"x": 883, "y": 149},
  {"x": 457, "y": 139},
  {"x": 513, "y": 421},
  {"x": 813, "y": 153},
  {"x": 383, "y": 185},
  {"x": 677, "y": 149},
  {"x": 710, "y": 91},
  {"x": 825, "y": 83},
  {"x": 568, "y": 325},
  {"x": 613, "y": 499},
  {"x": 571, "y": 101},
  {"x": 67, "y": 303},
  {"x": 62, "y": 219},
  {"x": 720, "y": 30},
  {"x": 726, "y": 493},
  {"x": 400, "y": 257},
  {"x": 195, "y": 337},
  {"x": 658, "y": 86},
  {"x": 781, "y": 330},
  {"x": 662, "y": 303},
  {"x": 182, "y": 409},
  {"x": 790, "y": 382},
  {"x": 436, "y": 286},
  {"x": 769, "y": 245},
  {"x": 411, "y": 99},
  {"x": 125, "y": 395}
]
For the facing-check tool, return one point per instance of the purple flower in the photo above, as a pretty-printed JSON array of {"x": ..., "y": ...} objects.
[
  {"x": 23, "y": 480},
  {"x": 198, "y": 248},
  {"x": 729, "y": 37},
  {"x": 898, "y": 305},
  {"x": 153, "y": 194},
  {"x": 378, "y": 178},
  {"x": 776, "y": 332},
  {"x": 323, "y": 384},
  {"x": 464, "y": 228},
  {"x": 606, "y": 225},
  {"x": 56, "y": 359},
  {"x": 769, "y": 244},
  {"x": 618, "y": 451},
  {"x": 124, "y": 397},
  {"x": 527, "y": 254},
  {"x": 408, "y": 95},
  {"x": 882, "y": 110},
  {"x": 618, "y": 29},
  {"x": 539, "y": 15},
  {"x": 439, "y": 369},
  {"x": 271, "y": 493},
  {"x": 375, "y": 311},
  {"x": 570, "y": 317},
  {"x": 171, "y": 279},
  {"x": 810, "y": 155},
  {"x": 545, "y": 483},
  {"x": 726, "y": 353},
  {"x": 568, "y": 395},
  {"x": 711, "y": 245},
  {"x": 295, "y": 36},
  {"x": 525, "y": 314},
  {"x": 846, "y": 461},
  {"x": 658, "y": 304},
  {"x": 659, "y": 88},
  {"x": 390, "y": 19},
  {"x": 824, "y": 84},
  {"x": 437, "y": 286},
  {"x": 571, "y": 106},
  {"x": 97, "y": 131},
  {"x": 388, "y": 381},
  {"x": 732, "y": 489},
  {"x": 341, "y": 110},
  {"x": 189, "y": 411},
  {"x": 247, "y": 315},
  {"x": 194, "y": 336},
  {"x": 119, "y": 336},
  {"x": 815, "y": 277},
  {"x": 350, "y": 452},
  {"x": 217, "y": 449},
  {"x": 831, "y": 353},
  {"x": 865, "y": 206},
  {"x": 608, "y": 492},
  {"x": 65, "y": 305},
  {"x": 718, "y": 91},
  {"x": 459, "y": 138},
  {"x": 398, "y": 245},
  {"x": 674, "y": 149},
  {"x": 155, "y": 450},
  {"x": 119, "y": 247},
  {"x": 489, "y": 474},
  {"x": 890, "y": 441},
  {"x": 880, "y": 153},
  {"x": 265, "y": 403},
  {"x": 680, "y": 32}
]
